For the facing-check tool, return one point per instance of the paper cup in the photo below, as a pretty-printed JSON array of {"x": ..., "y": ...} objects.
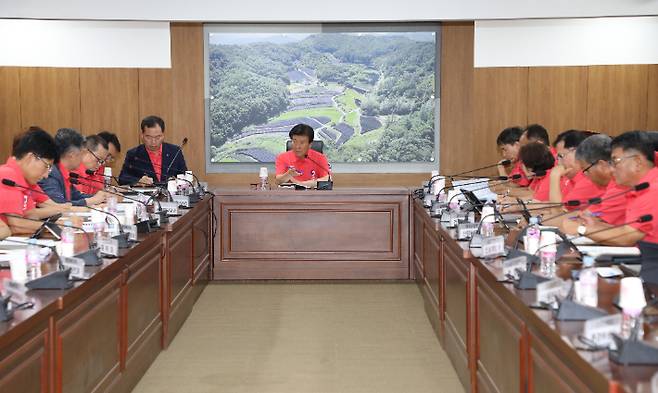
[
  {"x": 631, "y": 294},
  {"x": 18, "y": 267}
]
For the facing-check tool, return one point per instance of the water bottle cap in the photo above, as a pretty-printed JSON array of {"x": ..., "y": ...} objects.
[{"x": 534, "y": 220}]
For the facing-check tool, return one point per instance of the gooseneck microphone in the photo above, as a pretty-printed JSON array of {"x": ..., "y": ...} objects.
[
  {"x": 329, "y": 184},
  {"x": 165, "y": 174},
  {"x": 504, "y": 163}
]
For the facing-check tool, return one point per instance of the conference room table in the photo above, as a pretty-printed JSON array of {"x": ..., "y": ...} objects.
[
  {"x": 494, "y": 336},
  {"x": 104, "y": 332}
]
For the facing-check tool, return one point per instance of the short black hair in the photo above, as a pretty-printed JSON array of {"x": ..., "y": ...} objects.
[
  {"x": 509, "y": 136},
  {"x": 653, "y": 136},
  {"x": 302, "y": 129},
  {"x": 111, "y": 138},
  {"x": 36, "y": 141},
  {"x": 536, "y": 156},
  {"x": 152, "y": 121},
  {"x": 572, "y": 138},
  {"x": 635, "y": 140},
  {"x": 67, "y": 139},
  {"x": 93, "y": 141},
  {"x": 537, "y": 132}
]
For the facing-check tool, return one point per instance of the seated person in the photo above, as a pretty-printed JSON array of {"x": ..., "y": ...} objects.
[
  {"x": 508, "y": 144},
  {"x": 301, "y": 165},
  {"x": 632, "y": 159},
  {"x": 568, "y": 182},
  {"x": 33, "y": 155},
  {"x": 154, "y": 160},
  {"x": 114, "y": 149},
  {"x": 93, "y": 156},
  {"x": 536, "y": 157},
  {"x": 58, "y": 185},
  {"x": 593, "y": 155}
]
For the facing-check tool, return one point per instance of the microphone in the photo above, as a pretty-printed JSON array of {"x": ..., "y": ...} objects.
[
  {"x": 504, "y": 163},
  {"x": 180, "y": 149},
  {"x": 644, "y": 218},
  {"x": 322, "y": 185},
  {"x": 495, "y": 178},
  {"x": 597, "y": 200},
  {"x": 505, "y": 179},
  {"x": 91, "y": 172}
]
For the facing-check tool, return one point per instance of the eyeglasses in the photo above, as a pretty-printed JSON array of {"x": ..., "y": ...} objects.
[
  {"x": 153, "y": 138},
  {"x": 48, "y": 166},
  {"x": 100, "y": 160},
  {"x": 109, "y": 159},
  {"x": 615, "y": 161},
  {"x": 590, "y": 166},
  {"x": 561, "y": 156}
]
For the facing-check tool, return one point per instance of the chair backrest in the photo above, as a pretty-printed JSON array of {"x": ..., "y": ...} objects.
[{"x": 315, "y": 145}]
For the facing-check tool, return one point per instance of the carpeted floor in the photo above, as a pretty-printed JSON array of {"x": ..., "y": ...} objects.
[{"x": 304, "y": 337}]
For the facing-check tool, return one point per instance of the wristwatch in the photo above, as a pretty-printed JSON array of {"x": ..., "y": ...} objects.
[{"x": 582, "y": 230}]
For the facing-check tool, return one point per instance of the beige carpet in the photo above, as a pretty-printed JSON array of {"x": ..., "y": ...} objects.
[{"x": 306, "y": 337}]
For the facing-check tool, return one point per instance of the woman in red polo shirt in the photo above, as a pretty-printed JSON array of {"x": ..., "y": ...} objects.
[{"x": 537, "y": 164}]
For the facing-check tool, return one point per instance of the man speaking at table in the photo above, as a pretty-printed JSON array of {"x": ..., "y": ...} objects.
[
  {"x": 154, "y": 160},
  {"x": 301, "y": 165}
]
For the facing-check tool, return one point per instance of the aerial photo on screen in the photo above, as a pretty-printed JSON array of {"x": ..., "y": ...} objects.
[{"x": 369, "y": 96}]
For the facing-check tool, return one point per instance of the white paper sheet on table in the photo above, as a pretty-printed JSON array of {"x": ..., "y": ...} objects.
[
  {"x": 23, "y": 239},
  {"x": 479, "y": 186},
  {"x": 595, "y": 251}
]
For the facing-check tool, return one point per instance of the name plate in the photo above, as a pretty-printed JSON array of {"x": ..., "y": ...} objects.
[
  {"x": 493, "y": 246},
  {"x": 512, "y": 266},
  {"x": 88, "y": 226},
  {"x": 16, "y": 289},
  {"x": 77, "y": 266},
  {"x": 109, "y": 247},
  {"x": 599, "y": 330},
  {"x": 170, "y": 207},
  {"x": 466, "y": 231},
  {"x": 547, "y": 291},
  {"x": 182, "y": 200},
  {"x": 131, "y": 230}
]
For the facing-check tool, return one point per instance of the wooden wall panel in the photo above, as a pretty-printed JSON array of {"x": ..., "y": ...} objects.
[
  {"x": 155, "y": 94},
  {"x": 50, "y": 97},
  {"x": 109, "y": 101},
  {"x": 557, "y": 98},
  {"x": 10, "y": 109},
  {"x": 457, "y": 136},
  {"x": 652, "y": 98},
  {"x": 188, "y": 92},
  {"x": 500, "y": 100},
  {"x": 617, "y": 98}
]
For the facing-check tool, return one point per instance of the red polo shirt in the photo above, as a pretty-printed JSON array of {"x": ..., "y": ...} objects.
[
  {"x": 645, "y": 202},
  {"x": 541, "y": 186},
  {"x": 67, "y": 181},
  {"x": 156, "y": 161},
  {"x": 16, "y": 200},
  {"x": 84, "y": 186},
  {"x": 309, "y": 170},
  {"x": 517, "y": 170},
  {"x": 582, "y": 189},
  {"x": 613, "y": 208}
]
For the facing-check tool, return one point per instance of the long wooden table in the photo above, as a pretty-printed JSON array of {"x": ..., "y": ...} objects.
[
  {"x": 102, "y": 334},
  {"x": 495, "y": 340},
  {"x": 346, "y": 233}
]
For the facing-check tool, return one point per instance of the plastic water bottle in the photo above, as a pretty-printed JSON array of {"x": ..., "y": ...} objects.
[
  {"x": 488, "y": 220},
  {"x": 533, "y": 235},
  {"x": 107, "y": 173},
  {"x": 263, "y": 179},
  {"x": 547, "y": 254},
  {"x": 68, "y": 240},
  {"x": 589, "y": 281},
  {"x": 111, "y": 204}
]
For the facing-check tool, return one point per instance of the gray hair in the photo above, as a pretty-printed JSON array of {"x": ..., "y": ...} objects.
[
  {"x": 594, "y": 148},
  {"x": 92, "y": 142}
]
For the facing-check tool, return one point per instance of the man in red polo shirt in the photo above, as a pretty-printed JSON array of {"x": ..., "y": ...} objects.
[
  {"x": 632, "y": 159},
  {"x": 94, "y": 153},
  {"x": 508, "y": 145},
  {"x": 33, "y": 156},
  {"x": 301, "y": 165}
]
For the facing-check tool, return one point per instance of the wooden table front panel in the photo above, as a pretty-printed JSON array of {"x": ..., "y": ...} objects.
[
  {"x": 313, "y": 235},
  {"x": 87, "y": 342},
  {"x": 25, "y": 367},
  {"x": 500, "y": 335}
]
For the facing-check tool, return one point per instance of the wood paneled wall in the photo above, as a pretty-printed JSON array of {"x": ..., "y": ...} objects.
[{"x": 475, "y": 103}]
